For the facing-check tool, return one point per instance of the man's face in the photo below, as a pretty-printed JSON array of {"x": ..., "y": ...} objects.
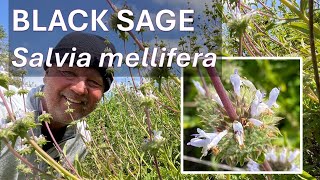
[{"x": 81, "y": 87}]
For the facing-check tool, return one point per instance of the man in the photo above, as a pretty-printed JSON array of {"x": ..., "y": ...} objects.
[{"x": 65, "y": 88}]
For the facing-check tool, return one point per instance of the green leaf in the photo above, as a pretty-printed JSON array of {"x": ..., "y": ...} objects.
[
  {"x": 4, "y": 81},
  {"x": 306, "y": 175},
  {"x": 304, "y": 28},
  {"x": 303, "y": 6},
  {"x": 270, "y": 26}
]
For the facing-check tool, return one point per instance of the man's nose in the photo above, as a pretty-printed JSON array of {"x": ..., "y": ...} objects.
[{"x": 80, "y": 88}]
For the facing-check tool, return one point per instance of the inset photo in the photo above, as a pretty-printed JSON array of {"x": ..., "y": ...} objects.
[{"x": 243, "y": 116}]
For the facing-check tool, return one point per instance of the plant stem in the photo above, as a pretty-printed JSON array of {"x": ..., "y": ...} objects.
[
  {"x": 17, "y": 155},
  {"x": 49, "y": 159},
  {"x": 60, "y": 150},
  {"x": 295, "y": 10},
  {"x": 313, "y": 51},
  {"x": 136, "y": 40},
  {"x": 240, "y": 45},
  {"x": 266, "y": 166},
  {"x": 7, "y": 106},
  {"x": 157, "y": 167},
  {"x": 148, "y": 121},
  {"x": 222, "y": 93}
]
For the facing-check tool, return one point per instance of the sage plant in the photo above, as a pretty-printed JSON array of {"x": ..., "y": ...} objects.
[{"x": 242, "y": 139}]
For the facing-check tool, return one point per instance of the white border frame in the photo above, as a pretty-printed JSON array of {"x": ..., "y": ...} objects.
[{"x": 247, "y": 172}]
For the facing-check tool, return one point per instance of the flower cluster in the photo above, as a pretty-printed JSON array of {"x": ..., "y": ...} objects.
[
  {"x": 284, "y": 161},
  {"x": 248, "y": 137},
  {"x": 146, "y": 95},
  {"x": 153, "y": 145}
]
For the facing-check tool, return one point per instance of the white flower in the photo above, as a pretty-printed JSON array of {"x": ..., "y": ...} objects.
[
  {"x": 271, "y": 156},
  {"x": 283, "y": 156},
  {"x": 206, "y": 140},
  {"x": 273, "y": 97},
  {"x": 238, "y": 131},
  {"x": 238, "y": 16},
  {"x": 249, "y": 84},
  {"x": 139, "y": 94},
  {"x": 236, "y": 82},
  {"x": 254, "y": 107},
  {"x": 21, "y": 147},
  {"x": 253, "y": 166},
  {"x": 41, "y": 137},
  {"x": 257, "y": 106},
  {"x": 157, "y": 136},
  {"x": 151, "y": 95},
  {"x": 256, "y": 122},
  {"x": 294, "y": 168},
  {"x": 259, "y": 96},
  {"x": 20, "y": 144},
  {"x": 236, "y": 13},
  {"x": 293, "y": 155},
  {"x": 199, "y": 87},
  {"x": 262, "y": 107},
  {"x": 249, "y": 2},
  {"x": 148, "y": 94},
  {"x": 201, "y": 91},
  {"x": 216, "y": 98}
]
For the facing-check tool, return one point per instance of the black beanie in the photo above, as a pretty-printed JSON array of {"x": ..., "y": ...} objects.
[{"x": 89, "y": 43}]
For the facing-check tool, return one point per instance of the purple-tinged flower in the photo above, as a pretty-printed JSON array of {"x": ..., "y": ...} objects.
[
  {"x": 239, "y": 133},
  {"x": 236, "y": 82},
  {"x": 256, "y": 122},
  {"x": 253, "y": 166},
  {"x": 207, "y": 141},
  {"x": 273, "y": 97},
  {"x": 199, "y": 87}
]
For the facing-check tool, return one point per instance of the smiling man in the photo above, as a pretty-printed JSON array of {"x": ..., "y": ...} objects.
[{"x": 65, "y": 88}]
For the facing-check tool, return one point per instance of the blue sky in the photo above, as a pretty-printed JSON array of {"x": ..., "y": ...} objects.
[
  {"x": 41, "y": 41},
  {"x": 4, "y": 14}
]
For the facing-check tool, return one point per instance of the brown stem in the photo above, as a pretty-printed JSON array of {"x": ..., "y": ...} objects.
[
  {"x": 248, "y": 49},
  {"x": 252, "y": 45},
  {"x": 266, "y": 166},
  {"x": 273, "y": 39},
  {"x": 168, "y": 107},
  {"x": 312, "y": 47},
  {"x": 240, "y": 45},
  {"x": 24, "y": 160},
  {"x": 24, "y": 103},
  {"x": 7, "y": 106},
  {"x": 60, "y": 150},
  {"x": 157, "y": 167},
  {"x": 222, "y": 93},
  {"x": 148, "y": 121}
]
